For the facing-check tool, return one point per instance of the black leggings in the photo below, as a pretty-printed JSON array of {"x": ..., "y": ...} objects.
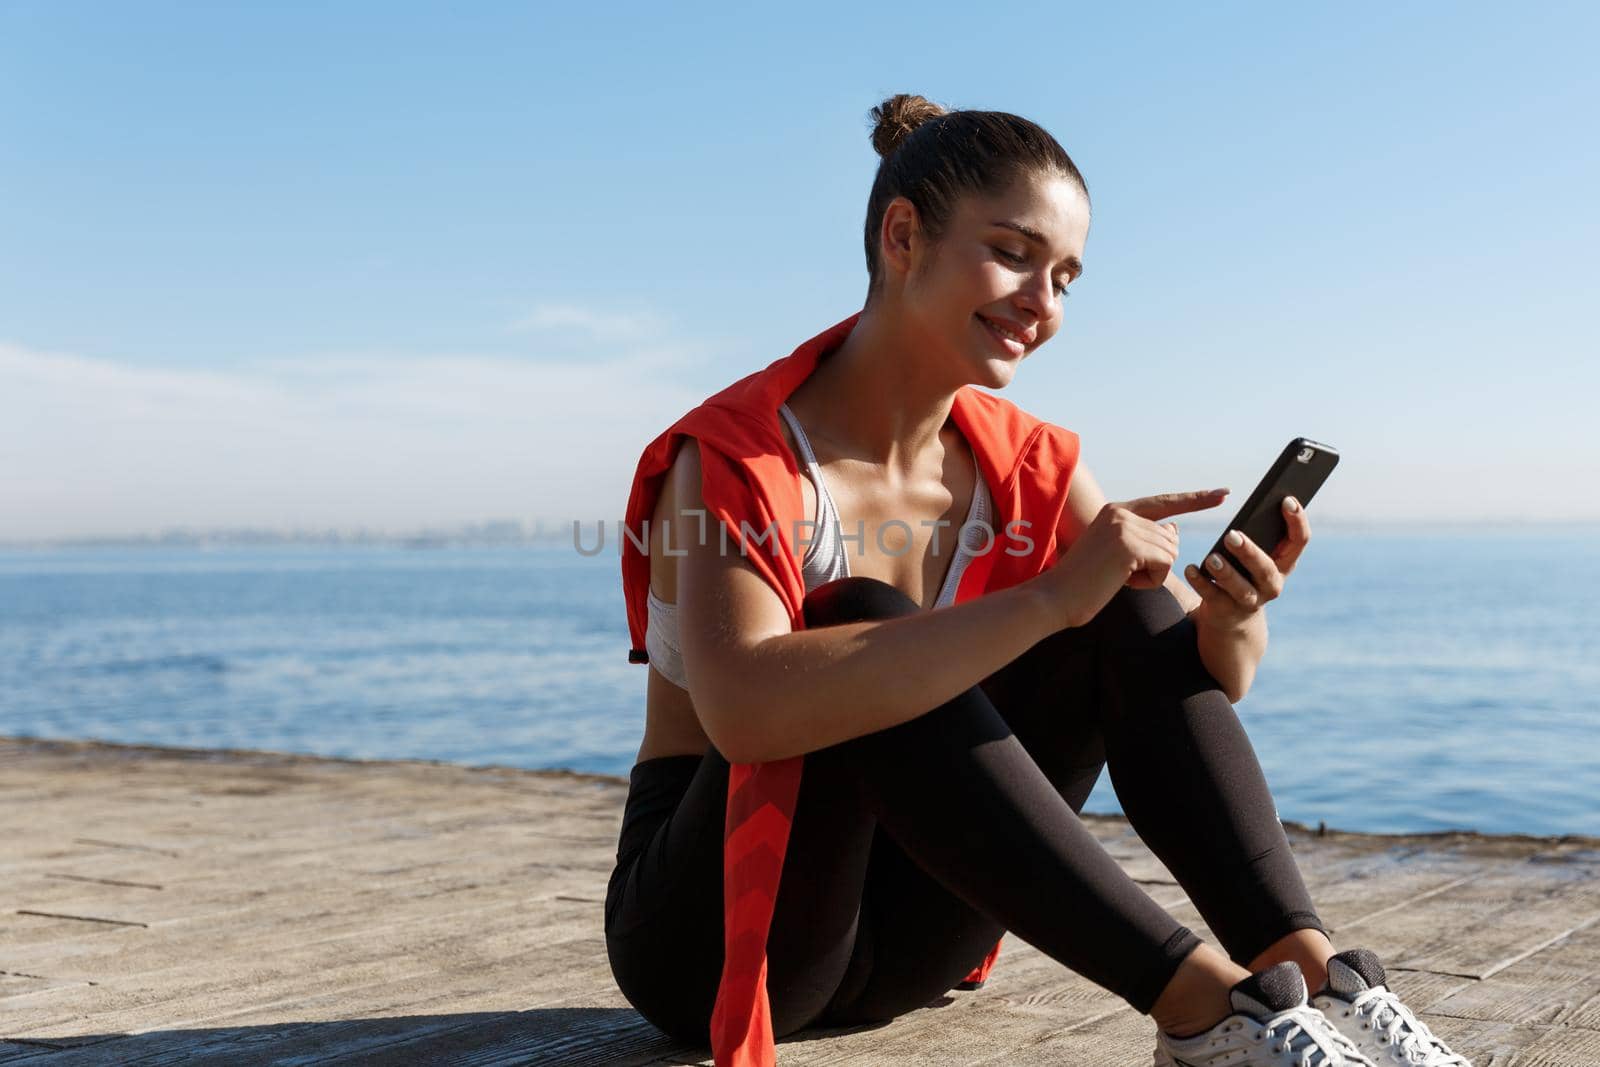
[{"x": 913, "y": 849}]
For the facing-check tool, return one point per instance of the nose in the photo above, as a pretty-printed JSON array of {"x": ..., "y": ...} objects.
[{"x": 1037, "y": 296}]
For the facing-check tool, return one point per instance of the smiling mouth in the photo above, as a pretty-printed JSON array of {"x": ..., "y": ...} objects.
[{"x": 1008, "y": 340}]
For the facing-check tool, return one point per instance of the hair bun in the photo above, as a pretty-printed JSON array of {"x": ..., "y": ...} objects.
[{"x": 895, "y": 118}]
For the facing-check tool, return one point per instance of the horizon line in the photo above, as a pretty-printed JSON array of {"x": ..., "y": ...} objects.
[{"x": 516, "y": 531}]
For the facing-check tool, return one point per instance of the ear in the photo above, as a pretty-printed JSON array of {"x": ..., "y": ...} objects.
[{"x": 900, "y": 237}]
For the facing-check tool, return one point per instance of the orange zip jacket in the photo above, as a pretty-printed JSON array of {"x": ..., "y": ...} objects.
[{"x": 751, "y": 487}]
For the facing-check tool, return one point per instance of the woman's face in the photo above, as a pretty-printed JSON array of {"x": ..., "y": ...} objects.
[{"x": 990, "y": 290}]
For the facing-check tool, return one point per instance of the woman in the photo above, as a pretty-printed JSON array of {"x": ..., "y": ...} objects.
[{"x": 862, "y": 767}]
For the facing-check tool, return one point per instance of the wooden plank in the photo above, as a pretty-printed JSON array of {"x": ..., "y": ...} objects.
[
  {"x": 417, "y": 912},
  {"x": 243, "y": 978},
  {"x": 375, "y": 1017},
  {"x": 1555, "y": 986}
]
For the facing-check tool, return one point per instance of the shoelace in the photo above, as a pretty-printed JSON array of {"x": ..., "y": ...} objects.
[
  {"x": 1400, "y": 1026},
  {"x": 1351, "y": 1051},
  {"x": 1308, "y": 1033}
]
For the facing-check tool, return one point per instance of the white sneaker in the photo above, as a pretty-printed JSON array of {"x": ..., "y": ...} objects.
[
  {"x": 1273, "y": 1026},
  {"x": 1358, "y": 1002}
]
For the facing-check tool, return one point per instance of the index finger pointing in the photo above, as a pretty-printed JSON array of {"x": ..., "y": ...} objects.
[{"x": 1164, "y": 504}]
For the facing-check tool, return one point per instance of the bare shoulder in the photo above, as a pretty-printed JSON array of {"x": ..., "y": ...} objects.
[
  {"x": 722, "y": 599},
  {"x": 684, "y": 477},
  {"x": 678, "y": 500}
]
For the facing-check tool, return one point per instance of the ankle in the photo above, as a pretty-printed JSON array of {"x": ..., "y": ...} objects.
[
  {"x": 1308, "y": 948},
  {"x": 1196, "y": 997}
]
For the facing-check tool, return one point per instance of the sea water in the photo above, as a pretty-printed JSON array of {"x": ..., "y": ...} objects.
[{"x": 1413, "y": 681}]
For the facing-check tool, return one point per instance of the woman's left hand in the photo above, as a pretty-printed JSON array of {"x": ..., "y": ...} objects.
[{"x": 1228, "y": 598}]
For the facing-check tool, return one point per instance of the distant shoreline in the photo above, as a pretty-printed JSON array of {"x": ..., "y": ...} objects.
[
  {"x": 93, "y": 747},
  {"x": 510, "y": 534}
]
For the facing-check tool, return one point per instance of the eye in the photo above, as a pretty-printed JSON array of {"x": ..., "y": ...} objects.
[{"x": 1012, "y": 257}]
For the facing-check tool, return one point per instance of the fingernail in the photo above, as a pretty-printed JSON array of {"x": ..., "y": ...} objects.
[
  {"x": 1214, "y": 561},
  {"x": 1291, "y": 503},
  {"x": 1235, "y": 538}
]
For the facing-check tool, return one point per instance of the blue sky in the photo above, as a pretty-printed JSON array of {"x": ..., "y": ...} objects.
[{"x": 399, "y": 265}]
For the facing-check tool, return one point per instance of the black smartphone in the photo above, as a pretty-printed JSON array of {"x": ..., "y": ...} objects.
[{"x": 1299, "y": 471}]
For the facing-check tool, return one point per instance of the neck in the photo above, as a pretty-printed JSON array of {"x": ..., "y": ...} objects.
[{"x": 877, "y": 400}]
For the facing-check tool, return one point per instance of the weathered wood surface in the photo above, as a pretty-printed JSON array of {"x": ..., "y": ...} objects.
[{"x": 187, "y": 906}]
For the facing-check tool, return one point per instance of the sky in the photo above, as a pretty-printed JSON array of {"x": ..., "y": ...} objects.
[{"x": 395, "y": 265}]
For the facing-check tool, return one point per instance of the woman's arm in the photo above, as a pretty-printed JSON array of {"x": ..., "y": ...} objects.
[
  {"x": 742, "y": 660},
  {"x": 1230, "y": 621},
  {"x": 1230, "y": 646},
  {"x": 1232, "y": 653}
]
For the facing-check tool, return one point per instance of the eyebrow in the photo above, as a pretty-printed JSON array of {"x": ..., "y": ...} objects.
[{"x": 1074, "y": 264}]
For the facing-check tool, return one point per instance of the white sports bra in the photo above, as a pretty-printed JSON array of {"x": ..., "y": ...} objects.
[{"x": 824, "y": 561}]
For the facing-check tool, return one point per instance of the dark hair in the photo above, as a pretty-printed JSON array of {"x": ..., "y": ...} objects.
[{"x": 933, "y": 157}]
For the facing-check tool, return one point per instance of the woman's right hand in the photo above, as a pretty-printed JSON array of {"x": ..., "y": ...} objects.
[{"x": 1125, "y": 544}]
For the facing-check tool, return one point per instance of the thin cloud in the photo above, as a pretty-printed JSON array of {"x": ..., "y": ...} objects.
[
  {"x": 92, "y": 447},
  {"x": 592, "y": 324}
]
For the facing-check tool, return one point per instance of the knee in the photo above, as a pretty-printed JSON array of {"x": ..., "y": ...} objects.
[
  {"x": 854, "y": 599},
  {"x": 1135, "y": 615},
  {"x": 1146, "y": 643}
]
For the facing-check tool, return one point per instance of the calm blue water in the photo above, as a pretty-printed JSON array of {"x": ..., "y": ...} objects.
[{"x": 1413, "y": 682}]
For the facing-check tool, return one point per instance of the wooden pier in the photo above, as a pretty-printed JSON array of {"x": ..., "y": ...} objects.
[{"x": 172, "y": 906}]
